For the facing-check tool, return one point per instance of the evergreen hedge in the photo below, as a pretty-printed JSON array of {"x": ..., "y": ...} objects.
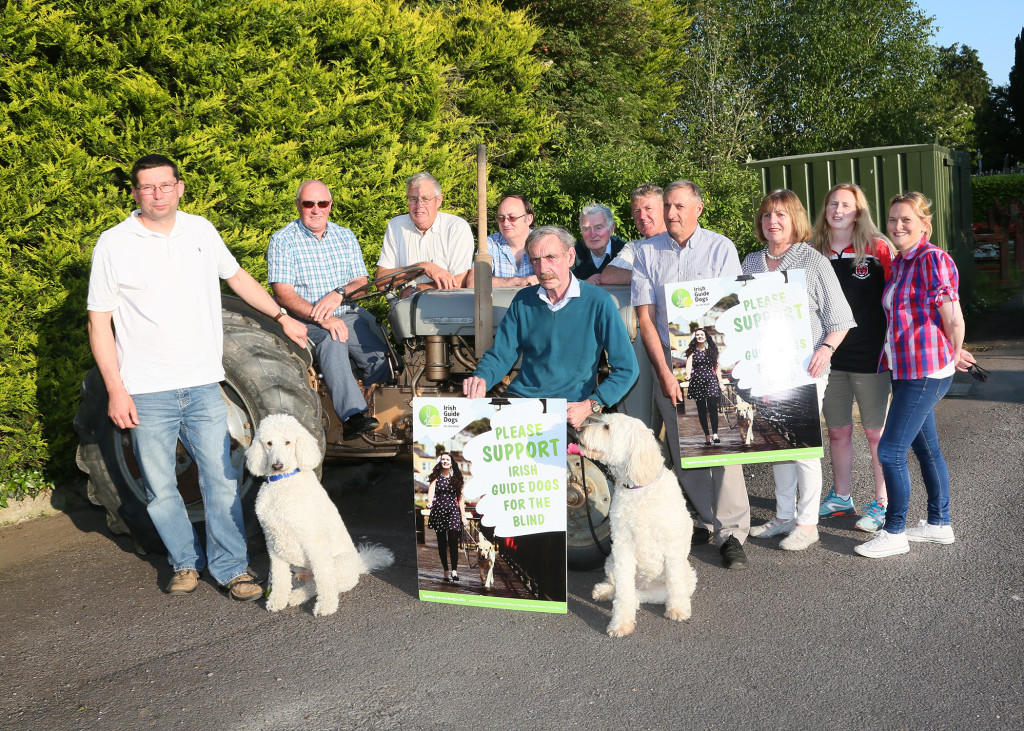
[
  {"x": 990, "y": 190},
  {"x": 249, "y": 100}
]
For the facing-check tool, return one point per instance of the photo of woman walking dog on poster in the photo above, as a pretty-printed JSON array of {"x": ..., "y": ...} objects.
[{"x": 740, "y": 347}]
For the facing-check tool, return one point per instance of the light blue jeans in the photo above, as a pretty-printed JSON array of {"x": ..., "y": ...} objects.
[
  {"x": 365, "y": 347},
  {"x": 911, "y": 423},
  {"x": 198, "y": 416}
]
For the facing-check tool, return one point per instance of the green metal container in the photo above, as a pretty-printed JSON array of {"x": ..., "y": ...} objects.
[{"x": 943, "y": 175}]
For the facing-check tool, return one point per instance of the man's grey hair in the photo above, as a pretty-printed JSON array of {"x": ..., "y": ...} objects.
[
  {"x": 419, "y": 178},
  {"x": 646, "y": 191},
  {"x": 563, "y": 236},
  {"x": 593, "y": 209},
  {"x": 304, "y": 183},
  {"x": 691, "y": 186}
]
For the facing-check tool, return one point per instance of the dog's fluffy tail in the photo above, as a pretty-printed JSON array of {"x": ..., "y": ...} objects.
[{"x": 375, "y": 556}]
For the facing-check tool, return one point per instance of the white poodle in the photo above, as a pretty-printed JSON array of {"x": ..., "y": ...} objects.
[
  {"x": 651, "y": 528},
  {"x": 301, "y": 524}
]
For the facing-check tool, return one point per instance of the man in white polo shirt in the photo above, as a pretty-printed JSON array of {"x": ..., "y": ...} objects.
[
  {"x": 155, "y": 332},
  {"x": 439, "y": 242}
]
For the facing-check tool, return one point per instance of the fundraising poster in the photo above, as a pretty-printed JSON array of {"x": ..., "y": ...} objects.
[
  {"x": 749, "y": 385},
  {"x": 501, "y": 463}
]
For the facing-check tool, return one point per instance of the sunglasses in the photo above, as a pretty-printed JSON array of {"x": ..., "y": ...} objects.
[
  {"x": 978, "y": 373},
  {"x": 308, "y": 205}
]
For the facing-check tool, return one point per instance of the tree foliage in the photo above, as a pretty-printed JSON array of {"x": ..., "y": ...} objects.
[
  {"x": 827, "y": 85},
  {"x": 959, "y": 91},
  {"x": 249, "y": 100},
  {"x": 1001, "y": 121},
  {"x": 609, "y": 65}
]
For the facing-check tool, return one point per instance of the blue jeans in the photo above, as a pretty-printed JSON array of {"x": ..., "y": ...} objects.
[
  {"x": 364, "y": 345},
  {"x": 197, "y": 416},
  {"x": 911, "y": 423}
]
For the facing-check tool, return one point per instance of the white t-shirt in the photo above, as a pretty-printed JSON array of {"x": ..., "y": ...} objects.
[
  {"x": 164, "y": 292},
  {"x": 447, "y": 243},
  {"x": 627, "y": 255}
]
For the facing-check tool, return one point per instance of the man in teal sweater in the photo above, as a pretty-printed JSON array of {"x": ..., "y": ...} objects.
[{"x": 560, "y": 328}]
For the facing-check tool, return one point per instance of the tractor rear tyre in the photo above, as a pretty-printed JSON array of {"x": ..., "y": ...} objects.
[{"x": 264, "y": 374}]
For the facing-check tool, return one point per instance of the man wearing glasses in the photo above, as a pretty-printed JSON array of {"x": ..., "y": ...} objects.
[
  {"x": 439, "y": 242},
  {"x": 312, "y": 265},
  {"x": 156, "y": 334},
  {"x": 510, "y": 266}
]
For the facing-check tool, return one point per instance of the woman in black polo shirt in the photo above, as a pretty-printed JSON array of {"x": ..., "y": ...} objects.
[{"x": 861, "y": 257}]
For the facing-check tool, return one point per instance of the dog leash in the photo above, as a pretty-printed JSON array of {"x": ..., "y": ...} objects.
[{"x": 275, "y": 478}]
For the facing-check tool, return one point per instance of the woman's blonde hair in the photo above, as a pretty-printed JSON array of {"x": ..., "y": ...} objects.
[
  {"x": 921, "y": 205},
  {"x": 787, "y": 201},
  {"x": 864, "y": 230}
]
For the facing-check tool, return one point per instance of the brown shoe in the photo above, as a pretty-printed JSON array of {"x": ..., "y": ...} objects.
[
  {"x": 244, "y": 588},
  {"x": 183, "y": 582}
]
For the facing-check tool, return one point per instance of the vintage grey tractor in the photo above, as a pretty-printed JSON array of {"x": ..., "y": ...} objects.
[{"x": 433, "y": 335}]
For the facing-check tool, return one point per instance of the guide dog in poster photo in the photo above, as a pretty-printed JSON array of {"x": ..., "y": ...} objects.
[{"x": 651, "y": 528}]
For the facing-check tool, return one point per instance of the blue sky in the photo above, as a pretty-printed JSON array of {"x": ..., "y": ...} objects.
[{"x": 989, "y": 26}]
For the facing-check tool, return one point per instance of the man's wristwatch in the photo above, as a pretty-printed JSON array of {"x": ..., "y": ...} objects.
[
  {"x": 279, "y": 315},
  {"x": 595, "y": 406}
]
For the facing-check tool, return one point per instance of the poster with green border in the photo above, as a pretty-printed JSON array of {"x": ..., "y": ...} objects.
[
  {"x": 489, "y": 491},
  {"x": 746, "y": 344}
]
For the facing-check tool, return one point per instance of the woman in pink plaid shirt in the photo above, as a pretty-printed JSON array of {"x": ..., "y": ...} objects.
[{"x": 923, "y": 348}]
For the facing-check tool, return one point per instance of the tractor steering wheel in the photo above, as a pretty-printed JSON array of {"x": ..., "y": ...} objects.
[{"x": 383, "y": 285}]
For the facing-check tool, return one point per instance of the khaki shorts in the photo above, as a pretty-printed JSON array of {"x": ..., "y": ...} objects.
[{"x": 871, "y": 391}]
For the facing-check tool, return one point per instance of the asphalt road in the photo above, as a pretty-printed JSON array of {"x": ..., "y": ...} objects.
[{"x": 822, "y": 638}]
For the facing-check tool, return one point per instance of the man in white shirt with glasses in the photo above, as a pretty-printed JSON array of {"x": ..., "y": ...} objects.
[{"x": 426, "y": 237}]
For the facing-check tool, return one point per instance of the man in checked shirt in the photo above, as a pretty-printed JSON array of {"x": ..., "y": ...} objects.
[{"x": 312, "y": 265}]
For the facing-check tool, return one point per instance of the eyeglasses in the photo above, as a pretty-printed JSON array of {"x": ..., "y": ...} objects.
[
  {"x": 151, "y": 189},
  {"x": 510, "y": 219},
  {"x": 415, "y": 200},
  {"x": 308, "y": 205},
  {"x": 599, "y": 229},
  {"x": 978, "y": 373}
]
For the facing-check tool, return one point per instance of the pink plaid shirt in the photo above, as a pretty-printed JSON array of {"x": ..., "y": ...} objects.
[{"x": 915, "y": 343}]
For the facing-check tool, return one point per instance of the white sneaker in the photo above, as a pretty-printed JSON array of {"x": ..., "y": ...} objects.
[
  {"x": 925, "y": 532},
  {"x": 774, "y": 527},
  {"x": 884, "y": 544},
  {"x": 799, "y": 539}
]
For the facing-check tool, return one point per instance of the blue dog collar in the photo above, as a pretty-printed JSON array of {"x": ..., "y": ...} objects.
[{"x": 275, "y": 478}]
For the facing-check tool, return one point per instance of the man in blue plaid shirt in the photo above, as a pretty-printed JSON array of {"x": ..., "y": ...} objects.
[
  {"x": 312, "y": 265},
  {"x": 510, "y": 266}
]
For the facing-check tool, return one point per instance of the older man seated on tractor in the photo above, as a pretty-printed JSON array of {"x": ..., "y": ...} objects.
[{"x": 560, "y": 328}]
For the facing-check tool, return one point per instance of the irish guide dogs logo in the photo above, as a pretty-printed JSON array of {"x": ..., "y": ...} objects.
[
  {"x": 681, "y": 298},
  {"x": 430, "y": 416}
]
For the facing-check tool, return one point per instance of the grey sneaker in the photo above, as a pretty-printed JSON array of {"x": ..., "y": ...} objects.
[
  {"x": 884, "y": 544},
  {"x": 774, "y": 527},
  {"x": 925, "y": 532},
  {"x": 183, "y": 582}
]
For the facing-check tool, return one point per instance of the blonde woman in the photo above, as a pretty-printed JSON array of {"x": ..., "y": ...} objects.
[
  {"x": 923, "y": 346},
  {"x": 861, "y": 257}
]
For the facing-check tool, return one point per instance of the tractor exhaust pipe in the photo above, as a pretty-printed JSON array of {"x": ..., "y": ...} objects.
[{"x": 482, "y": 265}]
